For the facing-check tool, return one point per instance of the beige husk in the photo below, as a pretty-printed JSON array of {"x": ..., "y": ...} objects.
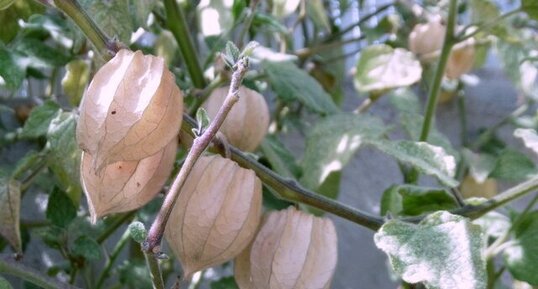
[
  {"x": 292, "y": 250},
  {"x": 131, "y": 110},
  {"x": 124, "y": 186},
  {"x": 247, "y": 122},
  {"x": 216, "y": 215}
]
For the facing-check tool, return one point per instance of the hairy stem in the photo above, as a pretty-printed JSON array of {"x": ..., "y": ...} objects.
[
  {"x": 154, "y": 270},
  {"x": 152, "y": 243},
  {"x": 112, "y": 259},
  {"x": 175, "y": 20},
  {"x": 10, "y": 266}
]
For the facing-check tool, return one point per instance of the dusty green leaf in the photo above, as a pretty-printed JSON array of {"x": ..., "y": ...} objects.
[
  {"x": 134, "y": 274},
  {"x": 317, "y": 13},
  {"x": 405, "y": 101},
  {"x": 427, "y": 158},
  {"x": 480, "y": 165},
  {"x": 38, "y": 122},
  {"x": 332, "y": 142},
  {"x": 530, "y": 7},
  {"x": 86, "y": 247},
  {"x": 4, "y": 284},
  {"x": 10, "y": 202},
  {"x": 38, "y": 54},
  {"x": 76, "y": 78},
  {"x": 60, "y": 208},
  {"x": 381, "y": 67},
  {"x": 64, "y": 154},
  {"x": 529, "y": 138},
  {"x": 11, "y": 71},
  {"x": 113, "y": 17},
  {"x": 521, "y": 256},
  {"x": 411, "y": 200},
  {"x": 494, "y": 224},
  {"x": 412, "y": 125},
  {"x": 444, "y": 251},
  {"x": 281, "y": 159},
  {"x": 512, "y": 165},
  {"x": 293, "y": 84},
  {"x": 224, "y": 283}
]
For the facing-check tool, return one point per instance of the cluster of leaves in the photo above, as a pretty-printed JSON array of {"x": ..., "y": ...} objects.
[{"x": 40, "y": 47}]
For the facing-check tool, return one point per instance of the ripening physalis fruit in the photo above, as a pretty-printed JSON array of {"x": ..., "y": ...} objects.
[
  {"x": 461, "y": 59},
  {"x": 131, "y": 110},
  {"x": 246, "y": 124},
  {"x": 216, "y": 214},
  {"x": 427, "y": 38},
  {"x": 470, "y": 187},
  {"x": 292, "y": 250},
  {"x": 125, "y": 185}
]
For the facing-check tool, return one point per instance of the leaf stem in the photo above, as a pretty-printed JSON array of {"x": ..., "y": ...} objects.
[
  {"x": 433, "y": 93},
  {"x": 175, "y": 20},
  {"x": 154, "y": 270},
  {"x": 112, "y": 259},
  {"x": 105, "y": 47},
  {"x": 120, "y": 220},
  {"x": 152, "y": 243},
  {"x": 10, "y": 266}
]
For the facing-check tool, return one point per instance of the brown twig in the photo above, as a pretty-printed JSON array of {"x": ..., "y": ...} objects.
[{"x": 155, "y": 234}]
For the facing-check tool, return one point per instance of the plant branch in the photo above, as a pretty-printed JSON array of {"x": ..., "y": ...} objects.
[
  {"x": 175, "y": 20},
  {"x": 154, "y": 270},
  {"x": 119, "y": 220},
  {"x": 309, "y": 51},
  {"x": 10, "y": 266},
  {"x": 463, "y": 36},
  {"x": 104, "y": 46},
  {"x": 112, "y": 259},
  {"x": 247, "y": 22},
  {"x": 152, "y": 243}
]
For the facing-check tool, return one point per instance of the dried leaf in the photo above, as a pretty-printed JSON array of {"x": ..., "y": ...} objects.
[
  {"x": 10, "y": 205},
  {"x": 131, "y": 110},
  {"x": 292, "y": 250},
  {"x": 125, "y": 186},
  {"x": 216, "y": 214},
  {"x": 248, "y": 121}
]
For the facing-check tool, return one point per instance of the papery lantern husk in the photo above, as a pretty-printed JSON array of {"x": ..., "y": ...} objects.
[
  {"x": 461, "y": 59},
  {"x": 292, "y": 250},
  {"x": 131, "y": 110},
  {"x": 216, "y": 214},
  {"x": 427, "y": 38},
  {"x": 471, "y": 187},
  {"x": 125, "y": 186},
  {"x": 246, "y": 124}
]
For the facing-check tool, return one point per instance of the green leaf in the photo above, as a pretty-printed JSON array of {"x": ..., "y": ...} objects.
[
  {"x": 38, "y": 54},
  {"x": 224, "y": 283},
  {"x": 412, "y": 124},
  {"x": 76, "y": 77},
  {"x": 480, "y": 165},
  {"x": 281, "y": 159},
  {"x": 21, "y": 9},
  {"x": 494, "y": 224},
  {"x": 512, "y": 165},
  {"x": 530, "y": 7},
  {"x": 60, "y": 209},
  {"x": 521, "y": 256},
  {"x": 411, "y": 200},
  {"x": 10, "y": 203},
  {"x": 134, "y": 274},
  {"x": 4, "y": 284},
  {"x": 332, "y": 142},
  {"x": 427, "y": 158},
  {"x": 381, "y": 67},
  {"x": 4, "y": 4},
  {"x": 38, "y": 122},
  {"x": 444, "y": 251},
  {"x": 203, "y": 120},
  {"x": 483, "y": 12},
  {"x": 237, "y": 8},
  {"x": 11, "y": 71},
  {"x": 405, "y": 101},
  {"x": 64, "y": 154},
  {"x": 291, "y": 83},
  {"x": 232, "y": 51},
  {"x": 113, "y": 17},
  {"x": 268, "y": 22},
  {"x": 317, "y": 13},
  {"x": 140, "y": 11},
  {"x": 86, "y": 247}
]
